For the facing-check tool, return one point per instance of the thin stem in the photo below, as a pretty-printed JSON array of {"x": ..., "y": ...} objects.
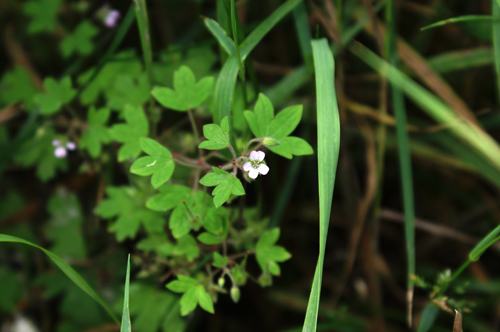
[
  {"x": 249, "y": 143},
  {"x": 193, "y": 124},
  {"x": 232, "y": 152},
  {"x": 180, "y": 162},
  {"x": 237, "y": 50},
  {"x": 454, "y": 276}
]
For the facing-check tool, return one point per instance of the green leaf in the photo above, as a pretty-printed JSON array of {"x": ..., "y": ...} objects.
[
  {"x": 126, "y": 325},
  {"x": 160, "y": 163},
  {"x": 182, "y": 285},
  {"x": 66, "y": 269},
  {"x": 201, "y": 60},
  {"x": 268, "y": 254},
  {"x": 187, "y": 94},
  {"x": 157, "y": 242},
  {"x": 179, "y": 223},
  {"x": 193, "y": 294},
  {"x": 109, "y": 77},
  {"x": 128, "y": 89},
  {"x": 226, "y": 184},
  {"x": 169, "y": 197},
  {"x": 219, "y": 260},
  {"x": 43, "y": 14},
  {"x": 188, "y": 247},
  {"x": 80, "y": 41},
  {"x": 124, "y": 204},
  {"x": 285, "y": 122},
  {"x": 218, "y": 137},
  {"x": 152, "y": 308},
  {"x": 17, "y": 87},
  {"x": 129, "y": 133},
  {"x": 328, "y": 152},
  {"x": 65, "y": 227},
  {"x": 429, "y": 316},
  {"x": 56, "y": 94},
  {"x": 208, "y": 238},
  {"x": 292, "y": 145},
  {"x": 97, "y": 131},
  {"x": 39, "y": 150}
]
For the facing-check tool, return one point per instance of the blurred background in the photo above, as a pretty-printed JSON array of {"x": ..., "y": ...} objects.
[{"x": 51, "y": 201}]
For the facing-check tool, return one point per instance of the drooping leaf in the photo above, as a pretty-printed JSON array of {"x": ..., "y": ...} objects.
[
  {"x": 56, "y": 94},
  {"x": 188, "y": 93},
  {"x": 66, "y": 269},
  {"x": 97, "y": 131},
  {"x": 129, "y": 133}
]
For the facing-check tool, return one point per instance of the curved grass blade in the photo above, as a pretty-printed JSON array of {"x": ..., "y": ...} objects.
[
  {"x": 460, "y": 60},
  {"x": 220, "y": 34},
  {"x": 126, "y": 325},
  {"x": 227, "y": 78},
  {"x": 303, "y": 33},
  {"x": 496, "y": 41},
  {"x": 458, "y": 19},
  {"x": 328, "y": 152},
  {"x": 141, "y": 13},
  {"x": 429, "y": 316},
  {"x": 404, "y": 161},
  {"x": 66, "y": 269},
  {"x": 441, "y": 112},
  {"x": 120, "y": 34}
]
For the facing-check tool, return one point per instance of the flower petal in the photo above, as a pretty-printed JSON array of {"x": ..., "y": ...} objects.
[
  {"x": 263, "y": 169},
  {"x": 247, "y": 166},
  {"x": 254, "y": 155},
  {"x": 262, "y": 155},
  {"x": 253, "y": 173},
  {"x": 60, "y": 152},
  {"x": 71, "y": 145}
]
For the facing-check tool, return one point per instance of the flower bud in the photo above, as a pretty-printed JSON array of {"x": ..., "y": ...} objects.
[
  {"x": 235, "y": 294},
  {"x": 270, "y": 142},
  {"x": 221, "y": 282}
]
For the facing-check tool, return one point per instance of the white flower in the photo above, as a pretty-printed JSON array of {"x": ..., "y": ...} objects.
[
  {"x": 60, "y": 152},
  {"x": 256, "y": 164}
]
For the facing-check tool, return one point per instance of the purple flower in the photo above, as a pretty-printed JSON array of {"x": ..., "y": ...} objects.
[
  {"x": 112, "y": 18},
  {"x": 60, "y": 152},
  {"x": 256, "y": 165}
]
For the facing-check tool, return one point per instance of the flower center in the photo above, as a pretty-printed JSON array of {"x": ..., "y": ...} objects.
[{"x": 255, "y": 164}]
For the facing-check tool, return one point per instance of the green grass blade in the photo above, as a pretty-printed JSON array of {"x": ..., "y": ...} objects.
[
  {"x": 441, "y": 112},
  {"x": 429, "y": 316},
  {"x": 496, "y": 40},
  {"x": 220, "y": 34},
  {"x": 484, "y": 244},
  {"x": 227, "y": 78},
  {"x": 141, "y": 13},
  {"x": 126, "y": 325},
  {"x": 328, "y": 152},
  {"x": 66, "y": 269},
  {"x": 404, "y": 160},
  {"x": 303, "y": 33},
  {"x": 120, "y": 35},
  {"x": 458, "y": 19},
  {"x": 460, "y": 60}
]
